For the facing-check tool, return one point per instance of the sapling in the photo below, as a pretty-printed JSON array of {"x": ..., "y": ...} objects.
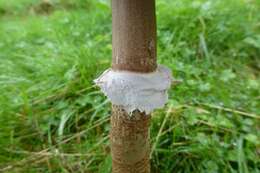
[{"x": 135, "y": 84}]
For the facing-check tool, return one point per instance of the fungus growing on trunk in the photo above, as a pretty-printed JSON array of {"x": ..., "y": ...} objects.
[{"x": 135, "y": 84}]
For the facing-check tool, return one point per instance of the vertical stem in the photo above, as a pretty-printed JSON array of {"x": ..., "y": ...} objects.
[
  {"x": 134, "y": 49},
  {"x": 129, "y": 137},
  {"x": 134, "y": 35}
]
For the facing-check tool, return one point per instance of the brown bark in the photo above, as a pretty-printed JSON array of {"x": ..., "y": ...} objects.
[
  {"x": 134, "y": 35},
  {"x": 129, "y": 138},
  {"x": 134, "y": 49}
]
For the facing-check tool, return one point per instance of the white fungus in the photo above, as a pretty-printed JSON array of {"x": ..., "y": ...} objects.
[{"x": 136, "y": 91}]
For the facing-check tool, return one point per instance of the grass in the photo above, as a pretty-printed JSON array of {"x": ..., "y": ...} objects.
[{"x": 52, "y": 118}]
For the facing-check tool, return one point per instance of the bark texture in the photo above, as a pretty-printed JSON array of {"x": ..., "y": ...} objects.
[
  {"x": 129, "y": 137},
  {"x": 134, "y": 49},
  {"x": 134, "y": 35}
]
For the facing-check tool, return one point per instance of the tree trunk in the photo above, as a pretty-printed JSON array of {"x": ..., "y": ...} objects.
[
  {"x": 134, "y": 35},
  {"x": 134, "y": 49},
  {"x": 129, "y": 139}
]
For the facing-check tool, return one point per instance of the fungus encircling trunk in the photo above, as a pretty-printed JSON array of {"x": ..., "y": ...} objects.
[
  {"x": 134, "y": 49},
  {"x": 135, "y": 85}
]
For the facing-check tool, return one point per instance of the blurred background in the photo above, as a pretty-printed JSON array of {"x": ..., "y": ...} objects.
[{"x": 53, "y": 119}]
